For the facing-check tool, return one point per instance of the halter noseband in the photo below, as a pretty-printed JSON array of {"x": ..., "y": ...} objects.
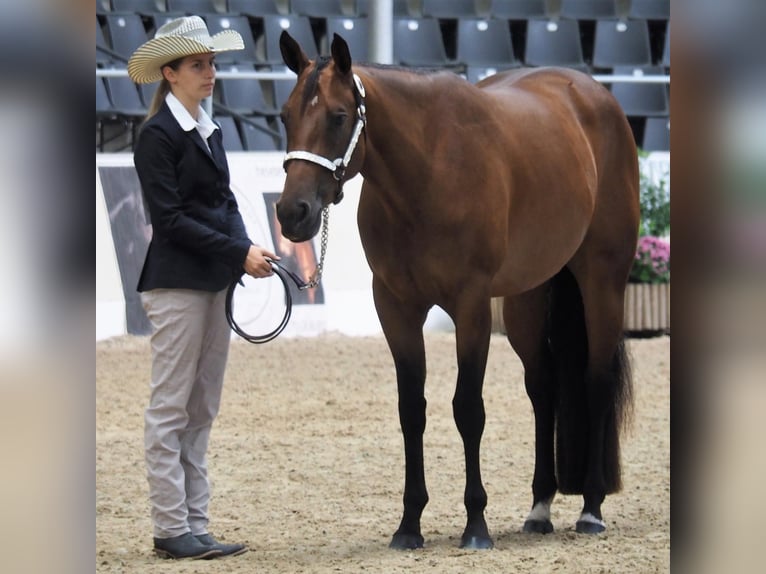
[{"x": 338, "y": 166}]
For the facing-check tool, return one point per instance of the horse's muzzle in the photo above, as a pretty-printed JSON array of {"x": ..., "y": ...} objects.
[{"x": 300, "y": 220}]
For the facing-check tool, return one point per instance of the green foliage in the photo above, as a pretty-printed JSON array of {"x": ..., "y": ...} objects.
[{"x": 655, "y": 206}]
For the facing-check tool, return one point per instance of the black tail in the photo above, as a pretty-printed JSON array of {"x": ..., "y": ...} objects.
[{"x": 569, "y": 347}]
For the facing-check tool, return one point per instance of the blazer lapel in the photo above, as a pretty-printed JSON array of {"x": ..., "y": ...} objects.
[{"x": 216, "y": 148}]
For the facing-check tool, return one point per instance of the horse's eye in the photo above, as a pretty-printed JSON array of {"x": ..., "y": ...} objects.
[{"x": 339, "y": 118}]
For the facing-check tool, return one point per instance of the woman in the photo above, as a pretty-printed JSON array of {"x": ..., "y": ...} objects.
[{"x": 199, "y": 245}]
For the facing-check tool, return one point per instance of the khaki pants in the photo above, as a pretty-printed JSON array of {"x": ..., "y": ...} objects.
[{"x": 190, "y": 343}]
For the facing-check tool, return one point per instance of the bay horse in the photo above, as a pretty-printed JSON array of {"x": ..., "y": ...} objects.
[{"x": 523, "y": 186}]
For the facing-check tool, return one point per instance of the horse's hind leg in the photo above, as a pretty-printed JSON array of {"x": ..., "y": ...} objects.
[
  {"x": 607, "y": 382},
  {"x": 402, "y": 327},
  {"x": 525, "y": 321}
]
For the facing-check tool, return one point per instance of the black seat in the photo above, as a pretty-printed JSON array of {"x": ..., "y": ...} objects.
[
  {"x": 518, "y": 9},
  {"x": 231, "y": 139},
  {"x": 244, "y": 95},
  {"x": 418, "y": 42},
  {"x": 102, "y": 48},
  {"x": 282, "y": 90},
  {"x": 554, "y": 43},
  {"x": 143, "y": 7},
  {"x": 126, "y": 32},
  {"x": 104, "y": 105},
  {"x": 449, "y": 9},
  {"x": 255, "y": 139},
  {"x": 105, "y": 112},
  {"x": 299, "y": 27},
  {"x": 666, "y": 49},
  {"x": 650, "y": 9},
  {"x": 485, "y": 43},
  {"x": 219, "y": 22},
  {"x": 317, "y": 8},
  {"x": 355, "y": 31},
  {"x": 621, "y": 43},
  {"x": 191, "y": 7},
  {"x": 656, "y": 134},
  {"x": 588, "y": 9},
  {"x": 254, "y": 8},
  {"x": 146, "y": 91},
  {"x": 125, "y": 97},
  {"x": 640, "y": 98}
]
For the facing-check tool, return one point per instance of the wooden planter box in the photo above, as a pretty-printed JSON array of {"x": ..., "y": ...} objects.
[{"x": 647, "y": 307}]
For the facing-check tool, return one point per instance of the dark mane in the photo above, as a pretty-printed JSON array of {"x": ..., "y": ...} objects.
[
  {"x": 394, "y": 67},
  {"x": 311, "y": 82}
]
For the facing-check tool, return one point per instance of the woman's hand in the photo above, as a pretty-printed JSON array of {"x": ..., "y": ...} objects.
[{"x": 257, "y": 263}]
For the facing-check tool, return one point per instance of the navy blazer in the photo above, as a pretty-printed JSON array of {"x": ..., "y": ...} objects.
[{"x": 199, "y": 239}]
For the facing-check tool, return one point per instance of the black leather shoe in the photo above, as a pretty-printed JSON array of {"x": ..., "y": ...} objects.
[
  {"x": 184, "y": 546},
  {"x": 225, "y": 549}
]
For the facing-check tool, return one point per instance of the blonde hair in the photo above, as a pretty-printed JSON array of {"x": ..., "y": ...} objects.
[{"x": 162, "y": 90}]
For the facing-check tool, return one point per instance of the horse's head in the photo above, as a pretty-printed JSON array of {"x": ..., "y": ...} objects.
[{"x": 323, "y": 116}]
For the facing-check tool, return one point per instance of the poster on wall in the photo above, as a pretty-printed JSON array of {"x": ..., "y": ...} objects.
[{"x": 131, "y": 232}]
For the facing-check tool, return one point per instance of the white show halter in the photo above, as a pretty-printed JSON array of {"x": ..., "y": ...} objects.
[{"x": 338, "y": 166}]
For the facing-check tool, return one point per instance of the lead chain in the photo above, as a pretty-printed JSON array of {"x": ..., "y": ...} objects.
[{"x": 317, "y": 276}]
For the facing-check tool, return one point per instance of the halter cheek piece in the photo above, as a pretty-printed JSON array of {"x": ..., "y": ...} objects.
[{"x": 338, "y": 166}]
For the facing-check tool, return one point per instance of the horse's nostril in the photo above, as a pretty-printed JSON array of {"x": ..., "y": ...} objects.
[
  {"x": 303, "y": 209},
  {"x": 292, "y": 214}
]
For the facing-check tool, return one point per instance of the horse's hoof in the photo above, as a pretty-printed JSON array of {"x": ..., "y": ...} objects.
[
  {"x": 406, "y": 541},
  {"x": 477, "y": 543},
  {"x": 589, "y": 524},
  {"x": 538, "y": 526}
]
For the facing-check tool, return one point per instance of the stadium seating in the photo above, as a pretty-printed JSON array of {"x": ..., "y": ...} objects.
[
  {"x": 641, "y": 99},
  {"x": 656, "y": 134},
  {"x": 316, "y": 8},
  {"x": 231, "y": 139},
  {"x": 485, "y": 43},
  {"x": 452, "y": 9},
  {"x": 588, "y": 9},
  {"x": 253, "y": 8},
  {"x": 554, "y": 43},
  {"x": 255, "y": 139},
  {"x": 189, "y": 7},
  {"x": 299, "y": 28},
  {"x": 418, "y": 42},
  {"x": 126, "y": 33},
  {"x": 143, "y": 7},
  {"x": 650, "y": 9},
  {"x": 354, "y": 31},
  {"x": 475, "y": 38},
  {"x": 244, "y": 96},
  {"x": 219, "y": 22},
  {"x": 518, "y": 9},
  {"x": 621, "y": 43},
  {"x": 102, "y": 55}
]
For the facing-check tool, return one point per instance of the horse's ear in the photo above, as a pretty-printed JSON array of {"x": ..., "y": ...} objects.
[
  {"x": 292, "y": 54},
  {"x": 340, "y": 54}
]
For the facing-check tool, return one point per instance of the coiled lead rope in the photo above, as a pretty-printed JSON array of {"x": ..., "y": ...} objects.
[{"x": 283, "y": 275}]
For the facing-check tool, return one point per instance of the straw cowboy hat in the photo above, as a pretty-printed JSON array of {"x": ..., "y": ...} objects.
[{"x": 176, "y": 39}]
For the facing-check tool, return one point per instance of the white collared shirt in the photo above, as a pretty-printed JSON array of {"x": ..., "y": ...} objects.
[{"x": 205, "y": 126}]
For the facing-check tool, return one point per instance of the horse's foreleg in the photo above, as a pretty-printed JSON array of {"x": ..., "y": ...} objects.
[
  {"x": 472, "y": 328},
  {"x": 403, "y": 328},
  {"x": 524, "y": 316}
]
